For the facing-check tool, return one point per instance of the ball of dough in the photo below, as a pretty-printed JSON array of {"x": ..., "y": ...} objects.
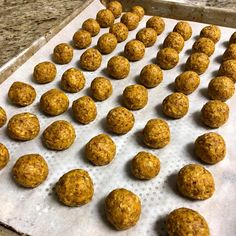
[
  {"x": 44, "y": 72},
  {"x": 118, "y": 67},
  {"x": 233, "y": 38},
  {"x": 197, "y": 62},
  {"x": 135, "y": 97},
  {"x": 145, "y": 166},
  {"x": 3, "y": 117},
  {"x": 134, "y": 50},
  {"x": 221, "y": 88},
  {"x": 91, "y": 59},
  {"x": 100, "y": 150},
  {"x": 120, "y": 31},
  {"x": 91, "y": 26},
  {"x": 139, "y": 11},
  {"x": 72, "y": 80},
  {"x": 210, "y": 148},
  {"x": 63, "y": 53},
  {"x": 212, "y": 32},
  {"x": 230, "y": 53},
  {"x": 4, "y": 156},
  {"x": 156, "y": 133},
  {"x": 174, "y": 40},
  {"x": 105, "y": 18},
  {"x": 147, "y": 36},
  {"x": 185, "y": 222},
  {"x": 167, "y": 58},
  {"x": 228, "y": 69},
  {"x": 157, "y": 23},
  {"x": 122, "y": 208},
  {"x": 75, "y": 188},
  {"x": 187, "y": 82},
  {"x": 82, "y": 39},
  {"x": 84, "y": 110},
  {"x": 195, "y": 182},
  {"x": 131, "y": 20},
  {"x": 101, "y": 88},
  {"x": 107, "y": 43},
  {"x": 59, "y": 135},
  {"x": 54, "y": 102},
  {"x": 120, "y": 120},
  {"x": 184, "y": 29},
  {"x": 204, "y": 45},
  {"x": 215, "y": 113},
  {"x": 23, "y": 126},
  {"x": 115, "y": 7},
  {"x": 30, "y": 170}
]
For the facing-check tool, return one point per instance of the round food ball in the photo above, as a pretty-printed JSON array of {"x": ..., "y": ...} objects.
[
  {"x": 3, "y": 117},
  {"x": 230, "y": 53},
  {"x": 167, "y": 58},
  {"x": 184, "y": 29},
  {"x": 134, "y": 50},
  {"x": 197, "y": 62},
  {"x": 91, "y": 59},
  {"x": 215, "y": 113},
  {"x": 135, "y": 97},
  {"x": 59, "y": 135},
  {"x": 147, "y": 36},
  {"x": 212, "y": 32},
  {"x": 4, "y": 156},
  {"x": 44, "y": 72},
  {"x": 118, "y": 67},
  {"x": 156, "y": 133},
  {"x": 101, "y": 88},
  {"x": 84, "y": 110},
  {"x": 233, "y": 38},
  {"x": 204, "y": 45},
  {"x": 100, "y": 150},
  {"x": 75, "y": 188},
  {"x": 228, "y": 69},
  {"x": 131, "y": 20},
  {"x": 115, "y": 7},
  {"x": 122, "y": 208},
  {"x": 120, "y": 31},
  {"x": 23, "y": 126},
  {"x": 145, "y": 166},
  {"x": 221, "y": 88},
  {"x": 139, "y": 11},
  {"x": 91, "y": 26},
  {"x": 157, "y": 23},
  {"x": 174, "y": 40},
  {"x": 185, "y": 221},
  {"x": 82, "y": 39},
  {"x": 105, "y": 18},
  {"x": 63, "y": 53},
  {"x": 120, "y": 120},
  {"x": 107, "y": 43},
  {"x": 54, "y": 102},
  {"x": 210, "y": 148}
]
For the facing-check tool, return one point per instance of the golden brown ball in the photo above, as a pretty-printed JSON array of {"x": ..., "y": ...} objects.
[
  {"x": 228, "y": 69},
  {"x": 3, "y": 117},
  {"x": 230, "y": 53},
  {"x": 63, "y": 53},
  {"x": 107, "y": 43},
  {"x": 147, "y": 36},
  {"x": 233, "y": 38},
  {"x": 82, "y": 39},
  {"x": 4, "y": 156},
  {"x": 120, "y": 31},
  {"x": 204, "y": 45},
  {"x": 131, "y": 20},
  {"x": 134, "y": 50},
  {"x": 115, "y": 7},
  {"x": 157, "y": 23},
  {"x": 184, "y": 29},
  {"x": 212, "y": 32},
  {"x": 91, "y": 26},
  {"x": 139, "y": 11},
  {"x": 91, "y": 59},
  {"x": 167, "y": 58},
  {"x": 174, "y": 40},
  {"x": 105, "y": 18}
]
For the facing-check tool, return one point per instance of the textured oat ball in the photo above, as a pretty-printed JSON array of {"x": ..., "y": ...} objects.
[
  {"x": 210, "y": 148},
  {"x": 174, "y": 40},
  {"x": 101, "y": 88},
  {"x": 147, "y": 36},
  {"x": 82, "y": 39},
  {"x": 157, "y": 23},
  {"x": 156, "y": 133},
  {"x": 115, "y": 7},
  {"x": 120, "y": 31},
  {"x": 23, "y": 126},
  {"x": 44, "y": 72},
  {"x": 228, "y": 69},
  {"x": 3, "y": 117},
  {"x": 100, "y": 150},
  {"x": 75, "y": 188},
  {"x": 139, "y": 11},
  {"x": 120, "y": 120},
  {"x": 186, "y": 222},
  {"x": 30, "y": 170},
  {"x": 215, "y": 113},
  {"x": 91, "y": 26},
  {"x": 197, "y": 62},
  {"x": 204, "y": 45},
  {"x": 105, "y": 18},
  {"x": 59, "y": 135},
  {"x": 107, "y": 43},
  {"x": 118, "y": 67},
  {"x": 145, "y": 166},
  {"x": 167, "y": 58},
  {"x": 233, "y": 38},
  {"x": 91, "y": 59},
  {"x": 221, "y": 88},
  {"x": 63, "y": 53},
  {"x": 122, "y": 208},
  {"x": 134, "y": 50},
  {"x": 131, "y": 20},
  {"x": 184, "y": 29},
  {"x": 84, "y": 110},
  {"x": 212, "y": 32},
  {"x": 4, "y": 156},
  {"x": 230, "y": 53}
]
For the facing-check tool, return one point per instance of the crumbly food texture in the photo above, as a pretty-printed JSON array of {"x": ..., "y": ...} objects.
[
  {"x": 120, "y": 31},
  {"x": 228, "y": 69},
  {"x": 204, "y": 45},
  {"x": 92, "y": 26},
  {"x": 4, "y": 156},
  {"x": 82, "y": 39},
  {"x": 134, "y": 50},
  {"x": 139, "y": 11},
  {"x": 131, "y": 20},
  {"x": 3, "y": 117},
  {"x": 230, "y": 53},
  {"x": 147, "y": 36},
  {"x": 115, "y": 7},
  {"x": 105, "y": 18},
  {"x": 212, "y": 32},
  {"x": 174, "y": 40},
  {"x": 157, "y": 23},
  {"x": 184, "y": 29},
  {"x": 107, "y": 43},
  {"x": 233, "y": 38},
  {"x": 63, "y": 53},
  {"x": 167, "y": 58},
  {"x": 91, "y": 59}
]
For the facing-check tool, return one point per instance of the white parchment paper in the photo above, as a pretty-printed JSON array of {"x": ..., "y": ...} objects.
[{"x": 37, "y": 211}]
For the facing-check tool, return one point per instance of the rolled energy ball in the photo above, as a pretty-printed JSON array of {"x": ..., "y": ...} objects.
[
  {"x": 100, "y": 150},
  {"x": 230, "y": 53},
  {"x": 63, "y": 53},
  {"x": 157, "y": 23},
  {"x": 3, "y": 117},
  {"x": 91, "y": 26},
  {"x": 156, "y": 133},
  {"x": 167, "y": 58},
  {"x": 120, "y": 31},
  {"x": 174, "y": 40},
  {"x": 233, "y": 38},
  {"x": 115, "y": 7},
  {"x": 139, "y": 11},
  {"x": 120, "y": 120},
  {"x": 210, "y": 148},
  {"x": 4, "y": 156},
  {"x": 204, "y": 45},
  {"x": 30, "y": 170},
  {"x": 75, "y": 188},
  {"x": 101, "y": 88},
  {"x": 91, "y": 59},
  {"x": 23, "y": 126},
  {"x": 184, "y": 29},
  {"x": 122, "y": 208},
  {"x": 82, "y": 39},
  {"x": 84, "y": 110},
  {"x": 107, "y": 43},
  {"x": 59, "y": 135},
  {"x": 105, "y": 18},
  {"x": 185, "y": 221},
  {"x": 72, "y": 80},
  {"x": 44, "y": 72},
  {"x": 134, "y": 50},
  {"x": 118, "y": 67},
  {"x": 145, "y": 166},
  {"x": 212, "y": 32},
  {"x": 228, "y": 69},
  {"x": 221, "y": 88},
  {"x": 147, "y": 36},
  {"x": 131, "y": 20}
]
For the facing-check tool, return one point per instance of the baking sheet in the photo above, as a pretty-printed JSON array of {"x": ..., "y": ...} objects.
[{"x": 37, "y": 211}]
